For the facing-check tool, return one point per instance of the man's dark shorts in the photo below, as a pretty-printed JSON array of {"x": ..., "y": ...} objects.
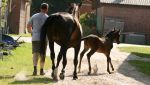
[{"x": 35, "y": 46}]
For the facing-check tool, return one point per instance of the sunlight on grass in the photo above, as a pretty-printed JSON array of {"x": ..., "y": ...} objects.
[
  {"x": 139, "y": 51},
  {"x": 21, "y": 61},
  {"x": 141, "y": 66},
  {"x": 23, "y": 35}
]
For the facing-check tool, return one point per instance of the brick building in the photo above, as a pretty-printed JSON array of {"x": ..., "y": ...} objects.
[
  {"x": 132, "y": 16},
  {"x": 18, "y": 15}
]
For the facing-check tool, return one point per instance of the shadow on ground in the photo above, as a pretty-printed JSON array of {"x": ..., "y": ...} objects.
[
  {"x": 129, "y": 71},
  {"x": 34, "y": 81},
  {"x": 6, "y": 77}
]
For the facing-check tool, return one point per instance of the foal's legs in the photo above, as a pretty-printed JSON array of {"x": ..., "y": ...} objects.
[
  {"x": 111, "y": 64},
  {"x": 109, "y": 61},
  {"x": 77, "y": 48},
  {"x": 88, "y": 57},
  {"x": 81, "y": 56},
  {"x": 51, "y": 46}
]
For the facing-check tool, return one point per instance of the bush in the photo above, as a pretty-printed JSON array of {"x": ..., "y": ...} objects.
[{"x": 88, "y": 22}]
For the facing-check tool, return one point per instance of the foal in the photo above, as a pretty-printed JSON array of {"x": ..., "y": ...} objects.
[{"x": 101, "y": 45}]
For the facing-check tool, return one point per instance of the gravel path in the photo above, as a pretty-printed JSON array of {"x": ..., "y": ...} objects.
[{"x": 124, "y": 73}]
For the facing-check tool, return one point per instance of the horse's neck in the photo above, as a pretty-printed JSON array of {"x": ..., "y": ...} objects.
[{"x": 109, "y": 40}]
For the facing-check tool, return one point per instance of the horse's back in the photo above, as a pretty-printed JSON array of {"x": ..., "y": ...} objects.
[
  {"x": 92, "y": 41},
  {"x": 63, "y": 26}
]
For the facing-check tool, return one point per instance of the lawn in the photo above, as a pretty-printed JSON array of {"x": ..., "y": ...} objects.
[
  {"x": 23, "y": 35},
  {"x": 141, "y": 66},
  {"x": 20, "y": 63},
  {"x": 143, "y": 52},
  {"x": 139, "y": 51}
]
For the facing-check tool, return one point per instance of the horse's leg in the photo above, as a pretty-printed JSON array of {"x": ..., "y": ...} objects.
[
  {"x": 111, "y": 64},
  {"x": 64, "y": 62},
  {"x": 51, "y": 46},
  {"x": 88, "y": 57},
  {"x": 77, "y": 48},
  {"x": 58, "y": 61},
  {"x": 81, "y": 56},
  {"x": 108, "y": 60}
]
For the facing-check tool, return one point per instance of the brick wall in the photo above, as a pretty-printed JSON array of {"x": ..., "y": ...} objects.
[
  {"x": 135, "y": 18},
  {"x": 18, "y": 16},
  {"x": 14, "y": 16}
]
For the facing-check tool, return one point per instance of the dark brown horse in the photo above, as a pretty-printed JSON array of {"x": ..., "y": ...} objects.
[
  {"x": 101, "y": 45},
  {"x": 64, "y": 29}
]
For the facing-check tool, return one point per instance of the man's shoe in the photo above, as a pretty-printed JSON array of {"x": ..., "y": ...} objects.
[
  {"x": 34, "y": 73},
  {"x": 42, "y": 72}
]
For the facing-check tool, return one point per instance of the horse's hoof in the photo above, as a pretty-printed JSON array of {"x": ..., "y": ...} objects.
[
  {"x": 109, "y": 72},
  {"x": 89, "y": 73},
  {"x": 55, "y": 78},
  {"x": 61, "y": 76},
  {"x": 75, "y": 77},
  {"x": 52, "y": 74}
]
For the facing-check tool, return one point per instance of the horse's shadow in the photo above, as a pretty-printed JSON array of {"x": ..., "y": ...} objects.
[
  {"x": 34, "y": 80},
  {"x": 6, "y": 77},
  {"x": 85, "y": 74}
]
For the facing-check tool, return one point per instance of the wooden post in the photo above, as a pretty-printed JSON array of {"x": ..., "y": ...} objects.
[
  {"x": 0, "y": 14},
  {"x": 0, "y": 25}
]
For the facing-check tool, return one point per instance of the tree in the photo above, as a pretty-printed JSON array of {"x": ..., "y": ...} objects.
[{"x": 54, "y": 5}]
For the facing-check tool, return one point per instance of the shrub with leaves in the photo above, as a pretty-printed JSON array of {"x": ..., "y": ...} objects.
[{"x": 88, "y": 22}]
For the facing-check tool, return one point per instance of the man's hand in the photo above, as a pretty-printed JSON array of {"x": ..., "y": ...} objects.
[{"x": 29, "y": 27}]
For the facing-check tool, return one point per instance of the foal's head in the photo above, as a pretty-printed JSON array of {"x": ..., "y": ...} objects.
[{"x": 114, "y": 35}]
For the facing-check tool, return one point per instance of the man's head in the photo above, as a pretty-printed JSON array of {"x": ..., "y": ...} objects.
[{"x": 44, "y": 7}]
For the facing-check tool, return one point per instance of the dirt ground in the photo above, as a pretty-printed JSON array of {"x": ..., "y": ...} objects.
[{"x": 124, "y": 73}]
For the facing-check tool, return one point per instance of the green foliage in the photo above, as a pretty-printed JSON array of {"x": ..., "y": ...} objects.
[
  {"x": 88, "y": 22},
  {"x": 88, "y": 19},
  {"x": 54, "y": 5},
  {"x": 139, "y": 51},
  {"x": 141, "y": 66},
  {"x": 4, "y": 3}
]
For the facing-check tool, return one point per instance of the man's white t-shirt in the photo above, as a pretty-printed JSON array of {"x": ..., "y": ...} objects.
[{"x": 37, "y": 21}]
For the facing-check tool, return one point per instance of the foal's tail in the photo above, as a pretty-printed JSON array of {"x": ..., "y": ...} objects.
[{"x": 84, "y": 38}]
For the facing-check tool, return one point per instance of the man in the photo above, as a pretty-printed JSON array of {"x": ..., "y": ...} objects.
[{"x": 34, "y": 27}]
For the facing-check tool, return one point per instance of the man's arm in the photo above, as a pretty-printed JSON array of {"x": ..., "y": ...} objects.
[{"x": 29, "y": 27}]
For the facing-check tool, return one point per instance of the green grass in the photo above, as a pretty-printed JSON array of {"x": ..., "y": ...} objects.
[
  {"x": 143, "y": 52},
  {"x": 139, "y": 51},
  {"x": 141, "y": 66},
  {"x": 23, "y": 35},
  {"x": 21, "y": 61}
]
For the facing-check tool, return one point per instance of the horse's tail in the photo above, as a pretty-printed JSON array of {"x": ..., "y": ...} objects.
[{"x": 43, "y": 38}]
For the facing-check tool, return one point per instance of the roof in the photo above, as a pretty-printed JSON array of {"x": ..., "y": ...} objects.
[{"x": 128, "y": 2}]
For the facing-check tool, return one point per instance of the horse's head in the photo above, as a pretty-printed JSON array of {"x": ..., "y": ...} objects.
[
  {"x": 114, "y": 35},
  {"x": 74, "y": 9}
]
